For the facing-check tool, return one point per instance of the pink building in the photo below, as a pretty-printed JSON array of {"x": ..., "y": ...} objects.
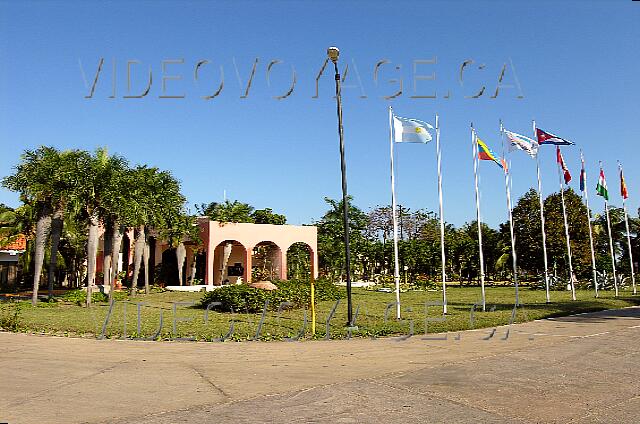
[
  {"x": 228, "y": 252},
  {"x": 229, "y": 244}
]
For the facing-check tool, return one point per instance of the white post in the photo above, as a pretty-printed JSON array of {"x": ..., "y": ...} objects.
[
  {"x": 586, "y": 199},
  {"x": 626, "y": 223},
  {"x": 613, "y": 255},
  {"x": 442, "y": 254},
  {"x": 474, "y": 147},
  {"x": 513, "y": 238},
  {"x": 566, "y": 225},
  {"x": 544, "y": 235},
  {"x": 396, "y": 272}
]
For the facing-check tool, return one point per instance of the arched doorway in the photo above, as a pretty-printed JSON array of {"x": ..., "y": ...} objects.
[
  {"x": 267, "y": 260},
  {"x": 299, "y": 261},
  {"x": 169, "y": 269},
  {"x": 229, "y": 263}
]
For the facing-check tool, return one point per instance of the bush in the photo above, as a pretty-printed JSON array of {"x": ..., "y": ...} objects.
[
  {"x": 79, "y": 297},
  {"x": 243, "y": 298},
  {"x": 10, "y": 316},
  {"x": 424, "y": 284}
]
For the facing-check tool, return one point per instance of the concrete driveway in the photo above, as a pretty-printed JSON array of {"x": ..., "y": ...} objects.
[{"x": 582, "y": 369}]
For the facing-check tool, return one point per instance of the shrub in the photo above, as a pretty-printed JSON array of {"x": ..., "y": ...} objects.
[
  {"x": 424, "y": 284},
  {"x": 10, "y": 316},
  {"x": 243, "y": 298},
  {"x": 79, "y": 297}
]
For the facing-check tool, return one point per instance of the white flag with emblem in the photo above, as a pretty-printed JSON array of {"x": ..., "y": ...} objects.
[
  {"x": 408, "y": 130},
  {"x": 523, "y": 143}
]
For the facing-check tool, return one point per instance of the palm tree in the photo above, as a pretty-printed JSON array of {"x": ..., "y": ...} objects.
[
  {"x": 95, "y": 195},
  {"x": 37, "y": 180},
  {"x": 70, "y": 163},
  {"x": 155, "y": 204},
  {"x": 178, "y": 228}
]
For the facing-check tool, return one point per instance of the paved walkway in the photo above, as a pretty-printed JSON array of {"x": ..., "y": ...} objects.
[{"x": 579, "y": 369}]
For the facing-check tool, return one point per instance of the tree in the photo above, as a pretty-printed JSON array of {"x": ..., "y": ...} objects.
[
  {"x": 331, "y": 238},
  {"x": 267, "y": 216},
  {"x": 469, "y": 256},
  {"x": 157, "y": 203},
  {"x": 46, "y": 179},
  {"x": 95, "y": 195},
  {"x": 578, "y": 233},
  {"x": 228, "y": 211},
  {"x": 298, "y": 261},
  {"x": 178, "y": 228},
  {"x": 72, "y": 164},
  {"x": 619, "y": 236},
  {"x": 8, "y": 225},
  {"x": 527, "y": 229}
]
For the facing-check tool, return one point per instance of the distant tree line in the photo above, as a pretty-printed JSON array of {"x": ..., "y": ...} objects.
[{"x": 371, "y": 240}]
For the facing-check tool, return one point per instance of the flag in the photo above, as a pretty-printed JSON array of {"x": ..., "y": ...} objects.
[
  {"x": 408, "y": 130},
  {"x": 565, "y": 170},
  {"x": 583, "y": 177},
  {"x": 485, "y": 153},
  {"x": 523, "y": 143},
  {"x": 623, "y": 186},
  {"x": 601, "y": 188},
  {"x": 548, "y": 138}
]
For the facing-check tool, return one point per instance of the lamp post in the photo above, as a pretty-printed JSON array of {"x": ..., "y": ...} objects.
[{"x": 333, "y": 53}]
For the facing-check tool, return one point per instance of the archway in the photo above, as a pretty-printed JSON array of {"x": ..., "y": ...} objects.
[
  {"x": 267, "y": 260},
  {"x": 229, "y": 263},
  {"x": 299, "y": 261},
  {"x": 169, "y": 270}
]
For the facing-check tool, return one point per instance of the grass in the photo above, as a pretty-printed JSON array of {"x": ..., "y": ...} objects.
[{"x": 61, "y": 318}]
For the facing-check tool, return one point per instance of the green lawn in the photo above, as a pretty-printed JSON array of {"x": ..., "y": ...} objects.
[{"x": 69, "y": 319}]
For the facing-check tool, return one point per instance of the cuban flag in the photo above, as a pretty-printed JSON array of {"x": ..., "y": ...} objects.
[{"x": 548, "y": 138}]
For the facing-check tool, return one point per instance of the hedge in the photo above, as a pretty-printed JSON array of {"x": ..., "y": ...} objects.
[{"x": 243, "y": 298}]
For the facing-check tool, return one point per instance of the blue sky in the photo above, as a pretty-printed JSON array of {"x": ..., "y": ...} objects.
[{"x": 576, "y": 64}]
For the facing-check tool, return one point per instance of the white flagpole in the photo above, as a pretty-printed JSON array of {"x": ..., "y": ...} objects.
[
  {"x": 474, "y": 147},
  {"x": 626, "y": 222},
  {"x": 442, "y": 254},
  {"x": 544, "y": 235},
  {"x": 566, "y": 227},
  {"x": 593, "y": 256},
  {"x": 396, "y": 272},
  {"x": 513, "y": 238},
  {"x": 613, "y": 256}
]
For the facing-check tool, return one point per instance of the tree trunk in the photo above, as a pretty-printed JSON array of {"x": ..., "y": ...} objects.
[
  {"x": 193, "y": 267},
  {"x": 72, "y": 274},
  {"x": 107, "y": 250},
  {"x": 92, "y": 252},
  {"x": 43, "y": 226},
  {"x": 138, "y": 250},
  {"x": 147, "y": 272},
  {"x": 115, "y": 256},
  {"x": 226, "y": 254},
  {"x": 181, "y": 255},
  {"x": 56, "y": 232}
]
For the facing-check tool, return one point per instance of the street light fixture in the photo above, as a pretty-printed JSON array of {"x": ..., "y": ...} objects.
[{"x": 333, "y": 53}]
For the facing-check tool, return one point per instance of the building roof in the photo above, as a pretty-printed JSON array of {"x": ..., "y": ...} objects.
[{"x": 19, "y": 244}]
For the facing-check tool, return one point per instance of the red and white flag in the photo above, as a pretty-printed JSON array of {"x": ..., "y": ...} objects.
[{"x": 565, "y": 170}]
